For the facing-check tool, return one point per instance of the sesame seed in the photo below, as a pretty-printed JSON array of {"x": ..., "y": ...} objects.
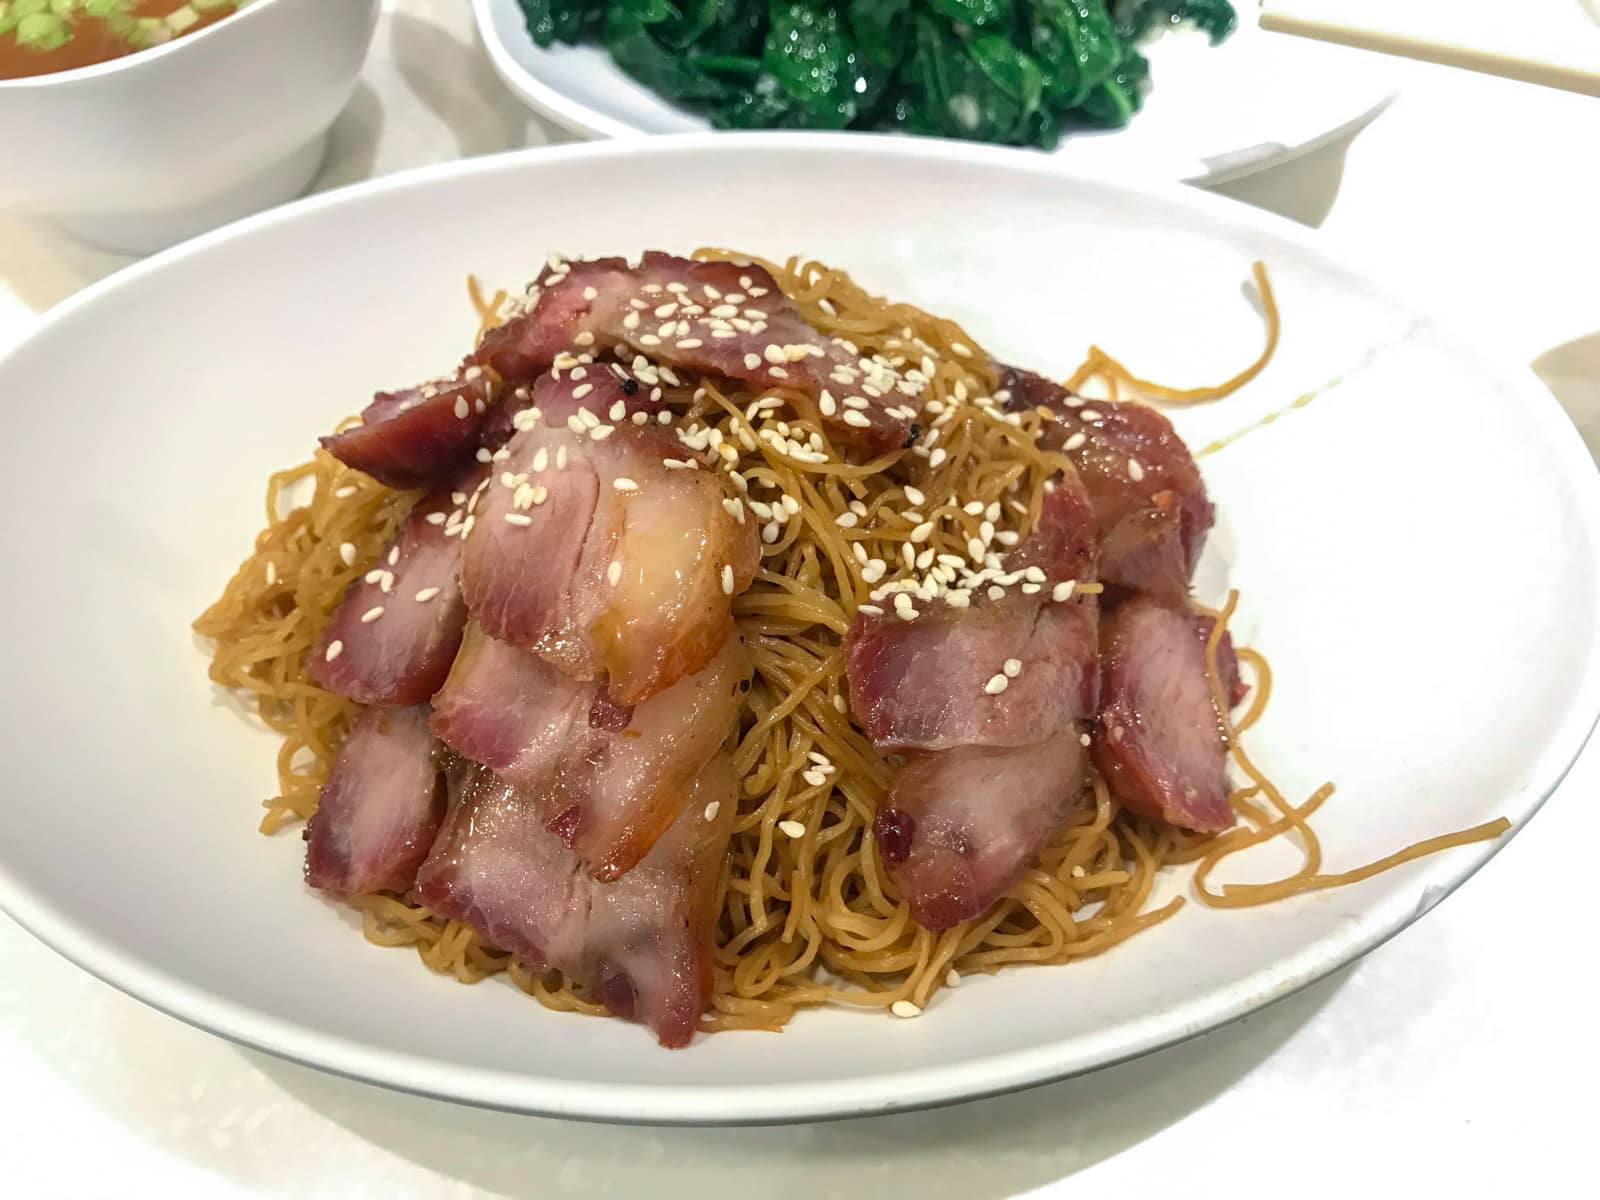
[
  {"x": 852, "y": 417},
  {"x": 752, "y": 361},
  {"x": 906, "y": 614},
  {"x": 462, "y": 408},
  {"x": 904, "y": 1008},
  {"x": 937, "y": 457},
  {"x": 335, "y": 649},
  {"x": 826, "y": 403},
  {"x": 1075, "y": 441},
  {"x": 623, "y": 484},
  {"x": 1062, "y": 591},
  {"x": 774, "y": 354},
  {"x": 372, "y": 614},
  {"x": 858, "y": 402},
  {"x": 561, "y": 458},
  {"x": 793, "y": 828},
  {"x": 345, "y": 492},
  {"x": 540, "y": 492},
  {"x": 1012, "y": 668},
  {"x": 521, "y": 519},
  {"x": 840, "y": 705},
  {"x": 734, "y": 509},
  {"x": 952, "y": 978},
  {"x": 1089, "y": 414},
  {"x": 914, "y": 495},
  {"x": 426, "y": 594},
  {"x": 996, "y": 685},
  {"x": 872, "y": 610},
  {"x": 1078, "y": 872},
  {"x": 712, "y": 809},
  {"x": 614, "y": 573},
  {"x": 394, "y": 555},
  {"x": 814, "y": 778},
  {"x": 584, "y": 339},
  {"x": 641, "y": 418},
  {"x": 1008, "y": 537},
  {"x": 1083, "y": 739},
  {"x": 1135, "y": 471},
  {"x": 575, "y": 423},
  {"x": 590, "y": 294},
  {"x": 433, "y": 518},
  {"x": 727, "y": 579},
  {"x": 922, "y": 532}
]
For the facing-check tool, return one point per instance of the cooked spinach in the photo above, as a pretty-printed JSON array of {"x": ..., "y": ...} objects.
[{"x": 1021, "y": 72}]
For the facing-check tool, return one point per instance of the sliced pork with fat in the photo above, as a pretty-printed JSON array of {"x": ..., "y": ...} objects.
[
  {"x": 1159, "y": 743},
  {"x": 713, "y": 318},
  {"x": 380, "y": 808},
  {"x": 597, "y": 554},
  {"x": 395, "y": 632},
  {"x": 641, "y": 945},
  {"x": 960, "y": 826},
  {"x": 412, "y": 437},
  {"x": 608, "y": 780},
  {"x": 986, "y": 702},
  {"x": 1149, "y": 501}
]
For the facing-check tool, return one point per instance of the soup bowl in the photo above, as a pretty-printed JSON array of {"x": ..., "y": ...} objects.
[{"x": 146, "y": 150}]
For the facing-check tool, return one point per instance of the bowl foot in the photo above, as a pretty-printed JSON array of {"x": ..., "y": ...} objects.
[{"x": 147, "y": 231}]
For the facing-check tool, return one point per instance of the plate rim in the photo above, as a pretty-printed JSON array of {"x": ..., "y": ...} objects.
[
  {"x": 579, "y": 119},
  {"x": 925, "y": 1086}
]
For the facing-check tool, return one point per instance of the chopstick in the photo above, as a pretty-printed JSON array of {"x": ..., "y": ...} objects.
[{"x": 1554, "y": 43}]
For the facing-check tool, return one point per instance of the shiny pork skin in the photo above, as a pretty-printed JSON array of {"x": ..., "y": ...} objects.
[
  {"x": 1159, "y": 743},
  {"x": 403, "y": 655},
  {"x": 1150, "y": 504},
  {"x": 713, "y": 318},
  {"x": 597, "y": 555},
  {"x": 411, "y": 438},
  {"x": 380, "y": 809},
  {"x": 608, "y": 781},
  {"x": 641, "y": 945},
  {"x": 987, "y": 778}
]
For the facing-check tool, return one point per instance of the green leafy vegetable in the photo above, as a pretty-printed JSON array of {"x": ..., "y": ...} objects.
[{"x": 1020, "y": 72}]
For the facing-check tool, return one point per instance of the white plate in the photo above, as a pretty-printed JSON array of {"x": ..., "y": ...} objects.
[
  {"x": 1417, "y": 550},
  {"x": 1213, "y": 114}
]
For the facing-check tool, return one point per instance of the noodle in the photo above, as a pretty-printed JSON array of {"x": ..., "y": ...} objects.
[{"x": 811, "y": 919}]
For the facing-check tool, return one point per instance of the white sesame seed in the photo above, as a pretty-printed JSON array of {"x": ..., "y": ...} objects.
[
  {"x": 584, "y": 339},
  {"x": 937, "y": 457},
  {"x": 952, "y": 978},
  {"x": 904, "y": 1008},
  {"x": 1089, "y": 414},
  {"x": 614, "y": 573},
  {"x": 623, "y": 484},
  {"x": 335, "y": 649},
  {"x": 1012, "y": 668},
  {"x": 433, "y": 518},
  {"x": 1083, "y": 739},
  {"x": 996, "y": 685},
  {"x": 1135, "y": 471},
  {"x": 1062, "y": 591},
  {"x": 839, "y": 704},
  {"x": 872, "y": 610},
  {"x": 852, "y": 417},
  {"x": 712, "y": 809},
  {"x": 1008, "y": 537},
  {"x": 814, "y": 778},
  {"x": 906, "y": 614},
  {"x": 793, "y": 828},
  {"x": 561, "y": 458},
  {"x": 734, "y": 508},
  {"x": 372, "y": 614},
  {"x": 752, "y": 361},
  {"x": 426, "y": 594},
  {"x": 521, "y": 519},
  {"x": 540, "y": 492},
  {"x": 575, "y": 423},
  {"x": 727, "y": 579},
  {"x": 345, "y": 492},
  {"x": 826, "y": 403},
  {"x": 914, "y": 495},
  {"x": 922, "y": 532},
  {"x": 1078, "y": 872},
  {"x": 1075, "y": 441}
]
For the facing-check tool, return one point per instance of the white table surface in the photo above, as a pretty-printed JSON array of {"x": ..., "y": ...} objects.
[{"x": 1457, "y": 1058}]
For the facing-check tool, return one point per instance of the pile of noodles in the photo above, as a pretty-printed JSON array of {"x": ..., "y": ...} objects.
[{"x": 809, "y": 919}]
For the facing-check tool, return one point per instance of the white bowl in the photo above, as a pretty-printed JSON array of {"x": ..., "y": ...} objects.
[
  {"x": 1417, "y": 548},
  {"x": 144, "y": 151}
]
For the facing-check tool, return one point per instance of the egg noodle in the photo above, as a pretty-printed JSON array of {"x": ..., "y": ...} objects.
[{"x": 807, "y": 914}]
